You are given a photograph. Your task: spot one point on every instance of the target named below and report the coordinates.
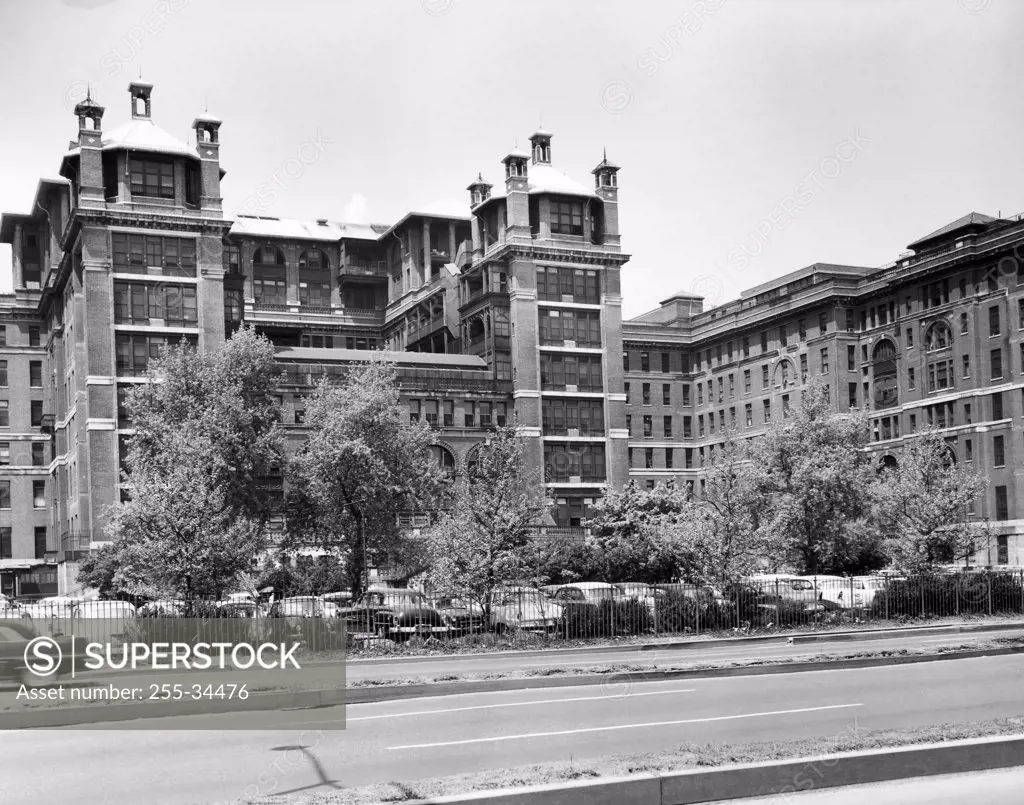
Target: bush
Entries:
(935, 596)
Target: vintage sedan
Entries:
(462, 615)
(395, 613)
(523, 608)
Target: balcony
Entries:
(73, 547)
(555, 532)
(271, 307)
(360, 267)
(47, 422)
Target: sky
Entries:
(755, 136)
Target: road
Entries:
(505, 662)
(1002, 787)
(412, 739)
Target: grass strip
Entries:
(686, 756)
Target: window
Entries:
(940, 375)
(967, 413)
(559, 326)
(648, 427)
(824, 361)
(782, 335)
(138, 303)
(746, 339)
(764, 376)
(668, 459)
(3, 374)
(1002, 507)
(569, 285)
(415, 407)
(997, 406)
(625, 361)
(767, 404)
(823, 323)
(39, 494)
(996, 363)
(5, 414)
(998, 452)
(785, 406)
(700, 425)
(852, 392)
(803, 368)
(135, 351)
(560, 371)
(3, 335)
(6, 549)
(646, 393)
(963, 324)
(851, 357)
(1002, 550)
(1020, 313)
(562, 464)
(40, 541)
(968, 450)
(38, 454)
(566, 218)
(764, 342)
(36, 415)
(700, 394)
(967, 365)
(629, 424)
(667, 425)
(748, 411)
(801, 329)
(153, 254)
(151, 178)
(732, 385)
(649, 461)
(5, 453)
(665, 362)
(33, 336)
(558, 417)
(911, 381)
(626, 389)
(686, 395)
(5, 494)
(993, 320)
(645, 361)
(938, 337)
(666, 394)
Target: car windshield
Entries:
(598, 594)
(515, 597)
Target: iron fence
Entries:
(553, 614)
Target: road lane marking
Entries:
(517, 704)
(625, 727)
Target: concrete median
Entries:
(766, 779)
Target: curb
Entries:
(966, 628)
(101, 714)
(766, 779)
(369, 695)
(824, 637)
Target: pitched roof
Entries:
(142, 134)
(972, 219)
(294, 229)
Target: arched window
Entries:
(444, 459)
(784, 374)
(314, 259)
(473, 459)
(885, 374)
(269, 281)
(268, 256)
(888, 463)
(939, 336)
(314, 279)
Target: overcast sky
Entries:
(755, 136)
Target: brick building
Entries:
(507, 305)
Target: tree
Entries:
(812, 481)
(922, 502)
(97, 570)
(485, 539)
(716, 533)
(206, 434)
(362, 464)
(626, 534)
(309, 575)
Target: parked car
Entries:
(395, 613)
(240, 609)
(585, 592)
(644, 593)
(788, 587)
(463, 616)
(14, 638)
(162, 609)
(849, 592)
(51, 607)
(300, 606)
(111, 610)
(515, 607)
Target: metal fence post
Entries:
(887, 598)
(988, 578)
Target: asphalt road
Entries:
(171, 762)
(505, 662)
(1001, 787)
